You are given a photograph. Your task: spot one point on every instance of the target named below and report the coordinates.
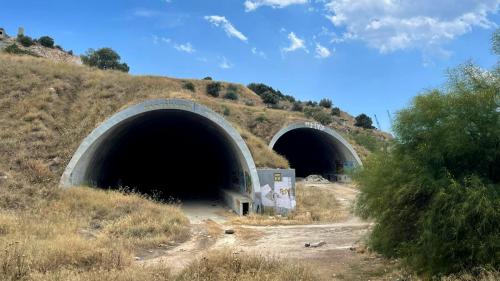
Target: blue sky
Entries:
(368, 56)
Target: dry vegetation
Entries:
(84, 229)
(46, 110)
(314, 205)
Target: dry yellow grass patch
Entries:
(84, 229)
(224, 265)
(314, 205)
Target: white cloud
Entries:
(322, 52)
(391, 25)
(225, 64)
(295, 44)
(251, 5)
(188, 48)
(230, 30)
(258, 53)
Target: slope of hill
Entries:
(47, 109)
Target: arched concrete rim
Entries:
(163, 104)
(319, 127)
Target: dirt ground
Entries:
(343, 257)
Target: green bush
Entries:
(368, 141)
(326, 103)
(213, 89)
(435, 194)
(26, 41)
(322, 117)
(231, 96)
(104, 58)
(208, 78)
(14, 49)
(46, 41)
(363, 121)
(270, 98)
(335, 111)
(189, 86)
(226, 111)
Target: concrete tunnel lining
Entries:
(83, 168)
(312, 148)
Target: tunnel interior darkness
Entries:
(171, 153)
(311, 152)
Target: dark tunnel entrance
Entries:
(314, 152)
(169, 153)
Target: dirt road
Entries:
(343, 257)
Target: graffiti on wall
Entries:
(280, 195)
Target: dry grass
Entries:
(314, 205)
(243, 267)
(83, 229)
(219, 265)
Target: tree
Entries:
(104, 58)
(208, 78)
(435, 194)
(46, 41)
(363, 121)
(270, 98)
(326, 103)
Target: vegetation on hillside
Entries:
(435, 194)
(104, 58)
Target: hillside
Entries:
(47, 109)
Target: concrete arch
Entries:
(325, 136)
(80, 165)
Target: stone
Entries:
(229, 231)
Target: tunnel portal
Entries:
(313, 149)
(169, 148)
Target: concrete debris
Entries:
(315, 179)
(229, 231)
(315, 245)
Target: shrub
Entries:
(104, 58)
(322, 117)
(14, 49)
(261, 118)
(297, 106)
(70, 52)
(208, 78)
(363, 121)
(335, 111)
(435, 194)
(326, 103)
(309, 111)
(368, 141)
(26, 41)
(231, 96)
(46, 41)
(233, 88)
(270, 98)
(214, 88)
(226, 111)
(189, 86)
